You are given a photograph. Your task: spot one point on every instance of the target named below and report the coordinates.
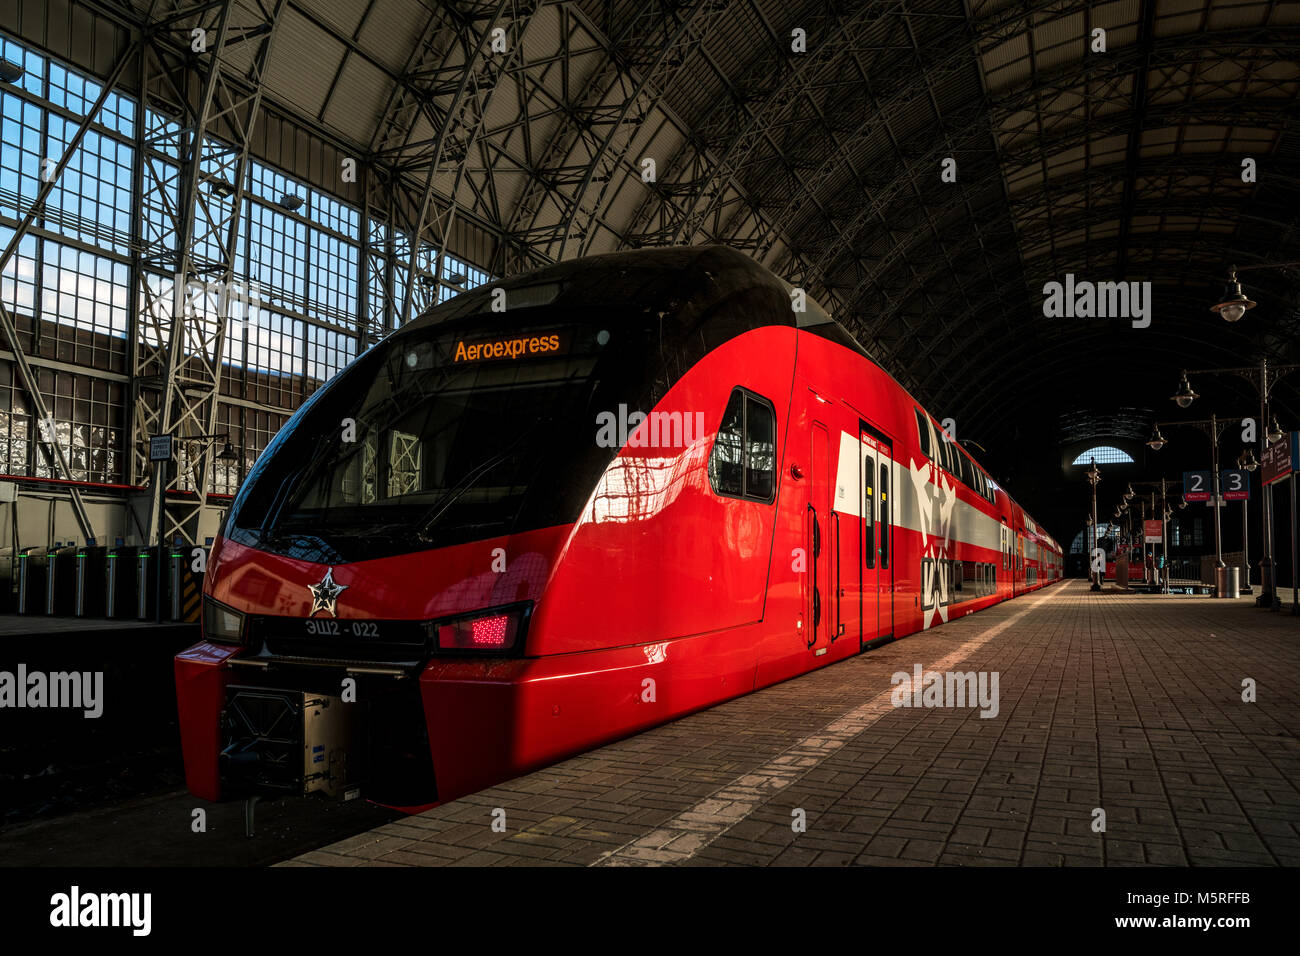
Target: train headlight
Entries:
(221, 625)
(498, 631)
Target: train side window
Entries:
(884, 515)
(726, 473)
(743, 461)
(923, 432)
(869, 509)
(760, 449)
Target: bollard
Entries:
(61, 580)
(120, 581)
(92, 580)
(31, 580)
(1227, 582)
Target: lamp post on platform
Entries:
(1214, 427)
(1165, 513)
(1246, 461)
(1263, 377)
(1094, 476)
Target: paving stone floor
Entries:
(1111, 702)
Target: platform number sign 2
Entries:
(1197, 485)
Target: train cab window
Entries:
(743, 461)
(405, 464)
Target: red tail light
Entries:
(495, 631)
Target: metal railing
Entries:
(1189, 570)
(1230, 559)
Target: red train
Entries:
(560, 510)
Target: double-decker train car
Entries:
(558, 510)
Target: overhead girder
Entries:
(1144, 50)
(867, 212)
(396, 124)
(999, 351)
(1045, 229)
(951, 319)
(980, 114)
(1038, 200)
(663, 195)
(744, 129)
(702, 172)
(686, 38)
(968, 317)
(124, 14)
(181, 351)
(832, 160)
(1086, 423)
(1246, 113)
(482, 69)
(658, 39)
(753, 126)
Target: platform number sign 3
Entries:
(1234, 484)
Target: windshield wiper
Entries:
(447, 500)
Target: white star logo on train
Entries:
(934, 493)
(921, 482)
(325, 595)
(947, 501)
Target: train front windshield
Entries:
(436, 437)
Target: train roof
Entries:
(686, 285)
(691, 281)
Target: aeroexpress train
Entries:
(563, 509)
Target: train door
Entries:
(1004, 546)
(877, 540)
(1021, 573)
(885, 540)
(870, 564)
(821, 545)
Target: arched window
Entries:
(1105, 455)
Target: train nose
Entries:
(424, 586)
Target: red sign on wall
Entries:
(1278, 459)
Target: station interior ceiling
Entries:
(922, 169)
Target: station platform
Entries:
(35, 625)
(1115, 702)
